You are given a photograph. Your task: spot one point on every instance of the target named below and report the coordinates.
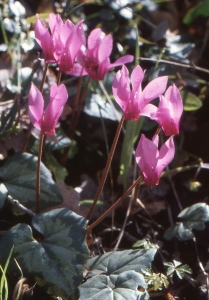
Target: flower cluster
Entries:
(66, 45)
(135, 102)
(63, 43)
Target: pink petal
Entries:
(175, 103)
(146, 158)
(98, 72)
(121, 61)
(54, 20)
(166, 154)
(36, 106)
(58, 97)
(67, 31)
(155, 88)
(169, 125)
(105, 48)
(121, 88)
(44, 39)
(78, 71)
(74, 43)
(148, 110)
(95, 37)
(137, 76)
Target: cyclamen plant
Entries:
(65, 44)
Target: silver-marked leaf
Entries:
(57, 261)
(124, 287)
(193, 217)
(18, 175)
(114, 263)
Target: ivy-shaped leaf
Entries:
(193, 217)
(117, 275)
(18, 175)
(57, 261)
(114, 263)
(103, 287)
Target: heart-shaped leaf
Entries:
(193, 217)
(114, 263)
(124, 287)
(18, 175)
(117, 275)
(57, 261)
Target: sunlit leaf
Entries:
(191, 102)
(200, 10)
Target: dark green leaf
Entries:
(114, 263)
(61, 141)
(193, 217)
(19, 177)
(105, 287)
(200, 10)
(57, 261)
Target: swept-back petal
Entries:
(175, 103)
(155, 88)
(94, 38)
(121, 61)
(58, 97)
(148, 110)
(44, 39)
(121, 88)
(137, 76)
(74, 43)
(36, 106)
(146, 158)
(166, 154)
(78, 70)
(105, 48)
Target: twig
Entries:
(38, 173)
(192, 66)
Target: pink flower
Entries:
(46, 120)
(95, 60)
(44, 39)
(135, 102)
(64, 42)
(152, 161)
(169, 111)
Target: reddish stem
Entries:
(107, 167)
(38, 173)
(114, 205)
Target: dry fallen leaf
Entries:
(71, 199)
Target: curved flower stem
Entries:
(31, 125)
(38, 173)
(104, 176)
(114, 205)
